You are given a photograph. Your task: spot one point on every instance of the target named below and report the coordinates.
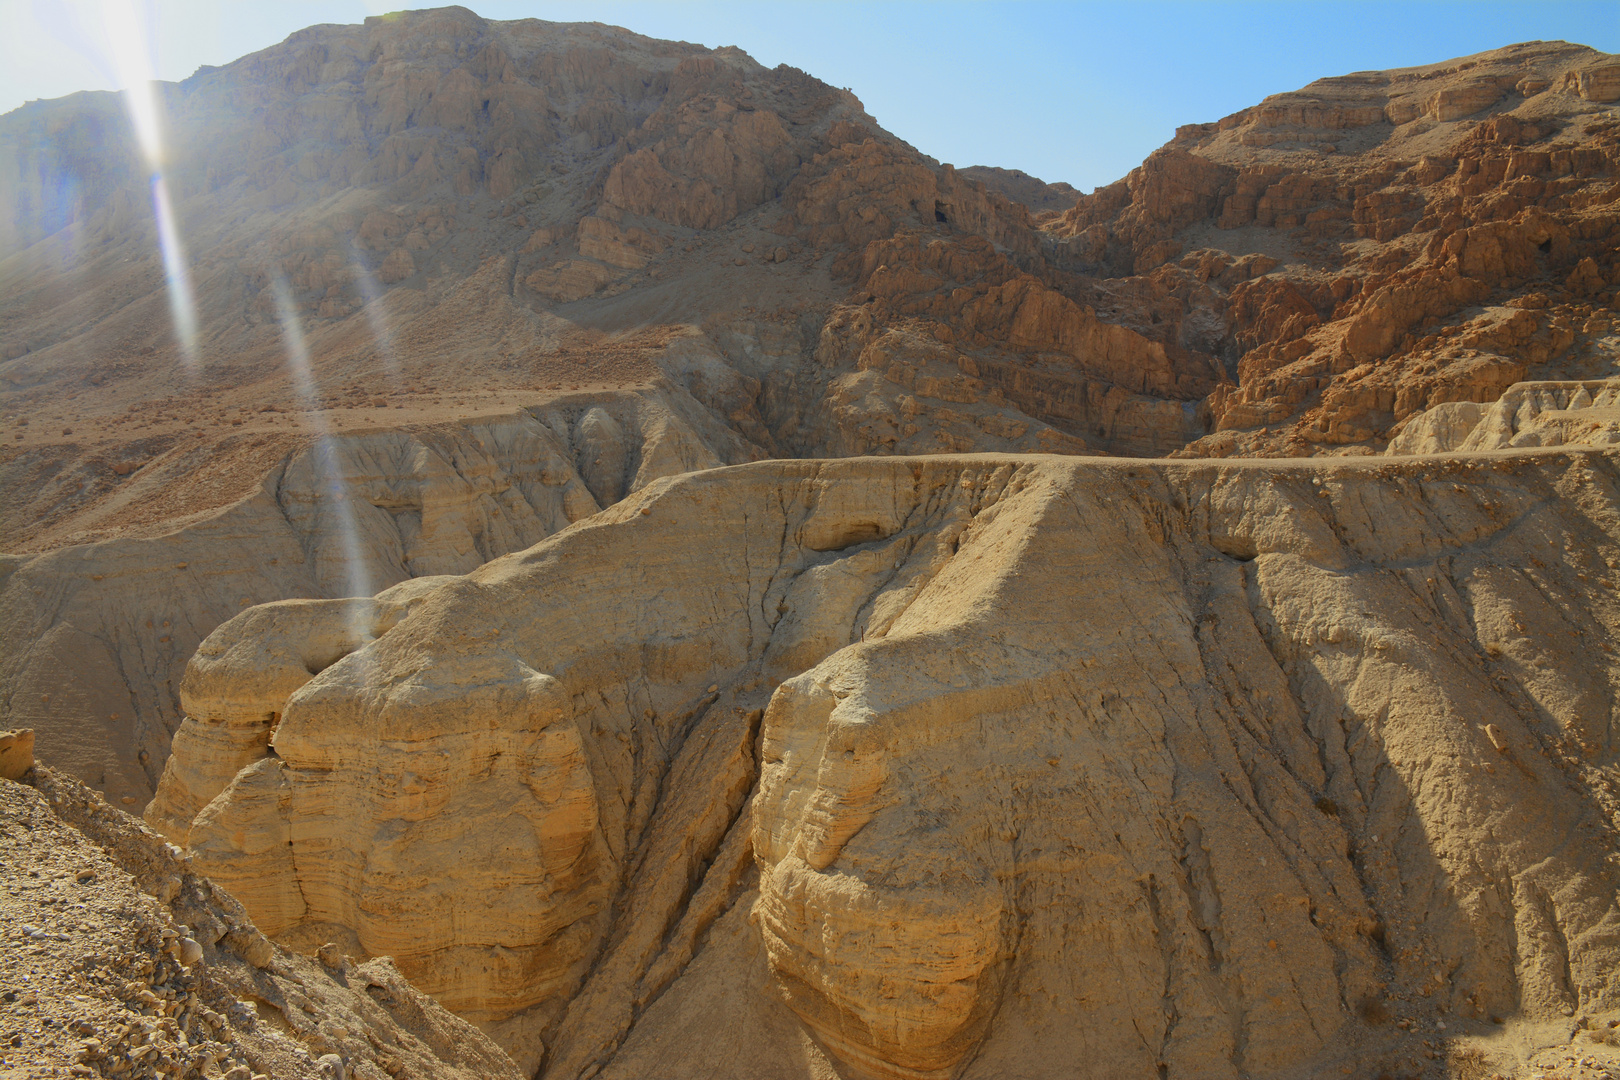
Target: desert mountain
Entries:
(459, 283)
(470, 580)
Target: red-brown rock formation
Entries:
(1430, 235)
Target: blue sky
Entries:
(1067, 91)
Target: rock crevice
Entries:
(1013, 719)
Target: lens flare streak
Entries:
(176, 273)
(334, 517)
(376, 317)
(128, 48)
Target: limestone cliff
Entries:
(975, 766)
(96, 635)
(459, 283)
(1528, 414)
(400, 237)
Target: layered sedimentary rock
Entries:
(922, 767)
(1528, 414)
(436, 218)
(97, 635)
(970, 766)
(1427, 235)
(448, 220)
(1021, 187)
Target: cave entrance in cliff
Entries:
(939, 212)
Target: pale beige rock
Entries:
(1550, 414)
(1600, 82)
(1200, 749)
(1465, 99)
(1584, 413)
(1091, 768)
(229, 718)
(1439, 429)
(1035, 352)
(94, 637)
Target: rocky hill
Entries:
(1021, 187)
(458, 283)
(120, 960)
(470, 580)
(1420, 236)
(971, 766)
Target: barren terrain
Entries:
(607, 533)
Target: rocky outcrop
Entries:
(157, 971)
(1243, 759)
(916, 767)
(98, 634)
(1439, 429)
(1045, 353)
(1430, 235)
(1297, 278)
(229, 719)
(1128, 226)
(405, 151)
(439, 218)
(16, 753)
(1017, 185)
(1527, 414)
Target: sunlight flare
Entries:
(128, 45)
(376, 317)
(334, 517)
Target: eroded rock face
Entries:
(186, 983)
(1429, 235)
(232, 707)
(599, 258)
(1528, 414)
(670, 258)
(944, 754)
(97, 636)
(1550, 414)
(1021, 187)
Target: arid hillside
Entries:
(121, 960)
(602, 534)
(455, 284)
(462, 216)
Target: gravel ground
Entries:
(117, 961)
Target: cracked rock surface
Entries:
(974, 766)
